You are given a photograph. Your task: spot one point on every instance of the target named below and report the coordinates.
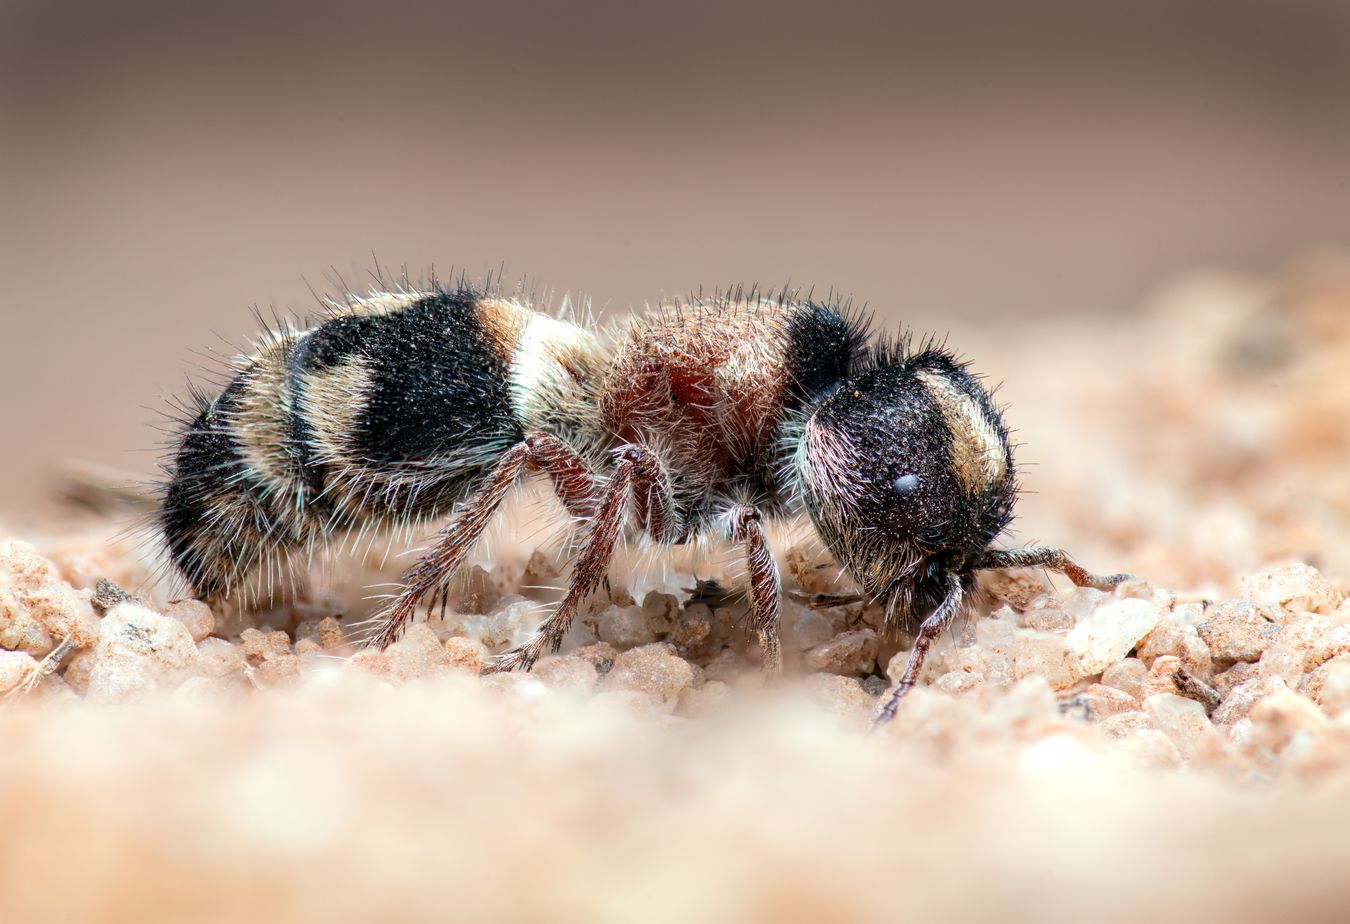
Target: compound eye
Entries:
(905, 484)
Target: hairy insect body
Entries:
(701, 417)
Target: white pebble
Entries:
(138, 652)
(1182, 720)
(1105, 635)
(15, 668)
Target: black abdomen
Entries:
(388, 411)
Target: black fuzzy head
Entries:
(908, 475)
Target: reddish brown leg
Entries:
(653, 501)
(1054, 559)
(929, 631)
(572, 482)
(765, 588)
(637, 475)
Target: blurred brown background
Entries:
(165, 166)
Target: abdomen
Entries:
(389, 411)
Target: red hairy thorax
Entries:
(712, 392)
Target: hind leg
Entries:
(637, 482)
(572, 482)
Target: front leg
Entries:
(637, 477)
(929, 631)
(1046, 557)
(765, 586)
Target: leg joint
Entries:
(742, 521)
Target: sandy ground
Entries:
(1177, 749)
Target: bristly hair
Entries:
(858, 317)
(895, 349)
(858, 323)
(385, 284)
